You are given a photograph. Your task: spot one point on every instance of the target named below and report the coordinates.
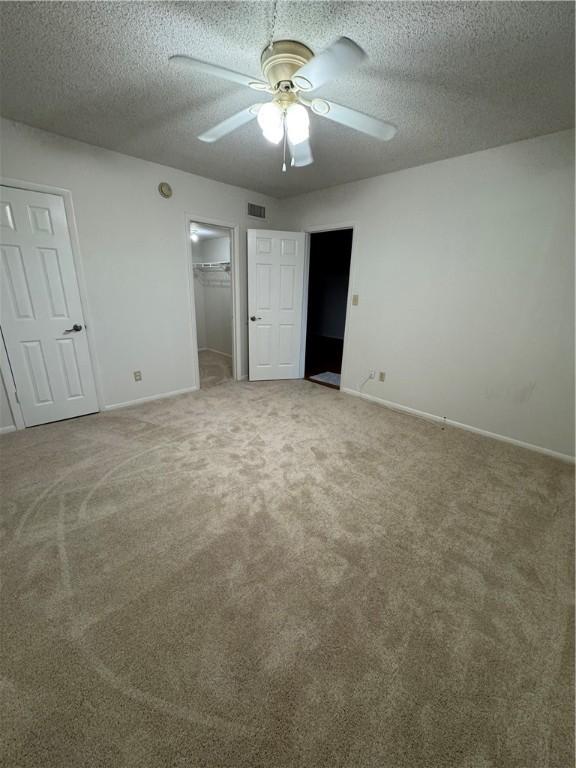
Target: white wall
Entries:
(134, 248)
(213, 293)
(218, 303)
(200, 310)
(211, 250)
(465, 272)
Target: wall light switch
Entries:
(382, 376)
(355, 300)
(137, 375)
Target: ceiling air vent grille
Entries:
(257, 211)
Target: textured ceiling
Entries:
(454, 78)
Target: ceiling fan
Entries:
(291, 71)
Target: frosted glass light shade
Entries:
(297, 123)
(271, 120)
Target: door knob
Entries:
(254, 318)
(75, 328)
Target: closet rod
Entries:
(212, 264)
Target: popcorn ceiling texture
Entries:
(278, 575)
(454, 77)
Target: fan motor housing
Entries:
(282, 60)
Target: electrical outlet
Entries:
(372, 375)
(382, 376)
(137, 375)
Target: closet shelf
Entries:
(213, 266)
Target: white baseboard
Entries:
(5, 430)
(441, 420)
(149, 398)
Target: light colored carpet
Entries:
(215, 368)
(278, 574)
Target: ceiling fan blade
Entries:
(229, 125)
(301, 153)
(357, 120)
(187, 62)
(340, 57)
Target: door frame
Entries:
(312, 230)
(5, 368)
(234, 230)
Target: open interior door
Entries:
(40, 309)
(275, 290)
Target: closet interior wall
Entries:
(213, 294)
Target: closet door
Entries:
(275, 290)
(41, 314)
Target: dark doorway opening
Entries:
(330, 254)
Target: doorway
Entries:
(211, 248)
(329, 275)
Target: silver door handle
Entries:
(75, 328)
(254, 318)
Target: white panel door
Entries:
(275, 289)
(40, 311)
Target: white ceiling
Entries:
(454, 77)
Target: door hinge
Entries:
(16, 396)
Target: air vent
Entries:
(257, 211)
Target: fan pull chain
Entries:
(273, 24)
(284, 156)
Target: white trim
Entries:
(149, 398)
(10, 386)
(305, 285)
(351, 282)
(191, 301)
(5, 430)
(234, 230)
(442, 420)
(66, 196)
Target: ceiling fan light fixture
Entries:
(290, 71)
(271, 121)
(297, 123)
